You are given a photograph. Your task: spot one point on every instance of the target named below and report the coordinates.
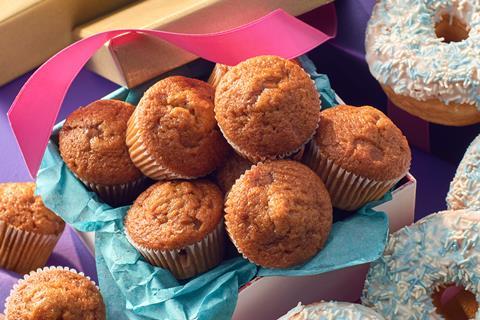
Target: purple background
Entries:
(342, 59)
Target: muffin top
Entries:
(174, 214)
(221, 69)
(267, 107)
(232, 169)
(278, 214)
(52, 294)
(364, 141)
(92, 143)
(20, 208)
(177, 126)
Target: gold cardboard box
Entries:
(138, 58)
(31, 31)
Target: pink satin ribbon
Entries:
(35, 109)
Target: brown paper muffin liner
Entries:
(120, 194)
(348, 191)
(142, 159)
(22, 251)
(191, 260)
(26, 276)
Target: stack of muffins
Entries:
(226, 156)
(28, 234)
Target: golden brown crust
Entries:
(232, 169)
(219, 70)
(92, 143)
(174, 214)
(364, 141)
(56, 294)
(278, 214)
(177, 126)
(19, 207)
(435, 111)
(267, 107)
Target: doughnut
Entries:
(421, 260)
(465, 186)
(331, 311)
(425, 55)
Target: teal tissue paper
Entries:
(134, 289)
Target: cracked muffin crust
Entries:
(267, 107)
(219, 70)
(92, 143)
(51, 294)
(173, 214)
(20, 208)
(173, 132)
(363, 141)
(278, 214)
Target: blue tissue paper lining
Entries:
(134, 289)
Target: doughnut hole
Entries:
(451, 29)
(454, 302)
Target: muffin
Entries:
(359, 153)
(55, 293)
(278, 214)
(28, 230)
(178, 225)
(92, 144)
(231, 170)
(267, 108)
(173, 133)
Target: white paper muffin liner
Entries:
(39, 270)
(256, 159)
(191, 260)
(120, 194)
(348, 191)
(22, 251)
(219, 70)
(142, 159)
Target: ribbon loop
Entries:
(35, 109)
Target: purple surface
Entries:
(341, 59)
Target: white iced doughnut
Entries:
(465, 187)
(437, 251)
(331, 311)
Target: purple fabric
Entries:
(342, 59)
